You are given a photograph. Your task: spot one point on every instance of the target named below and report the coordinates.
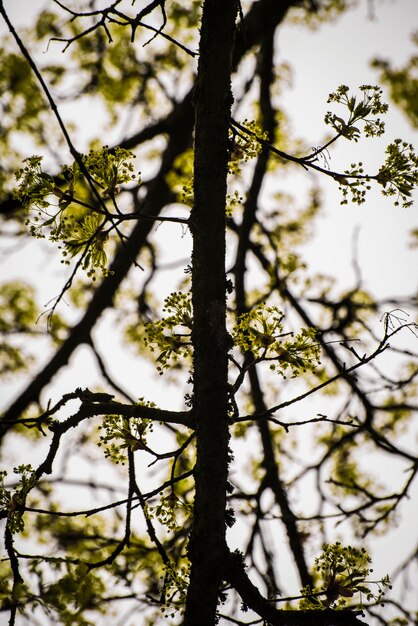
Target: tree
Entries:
(148, 528)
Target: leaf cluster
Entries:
(260, 332)
(399, 174)
(171, 335)
(120, 434)
(172, 512)
(364, 111)
(245, 145)
(57, 207)
(12, 501)
(342, 572)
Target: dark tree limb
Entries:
(213, 100)
(270, 463)
(235, 574)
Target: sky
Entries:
(343, 52)
(337, 53)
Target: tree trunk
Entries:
(210, 398)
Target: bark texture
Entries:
(213, 103)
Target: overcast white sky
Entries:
(340, 53)
(336, 53)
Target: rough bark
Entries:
(213, 103)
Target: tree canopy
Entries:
(206, 430)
